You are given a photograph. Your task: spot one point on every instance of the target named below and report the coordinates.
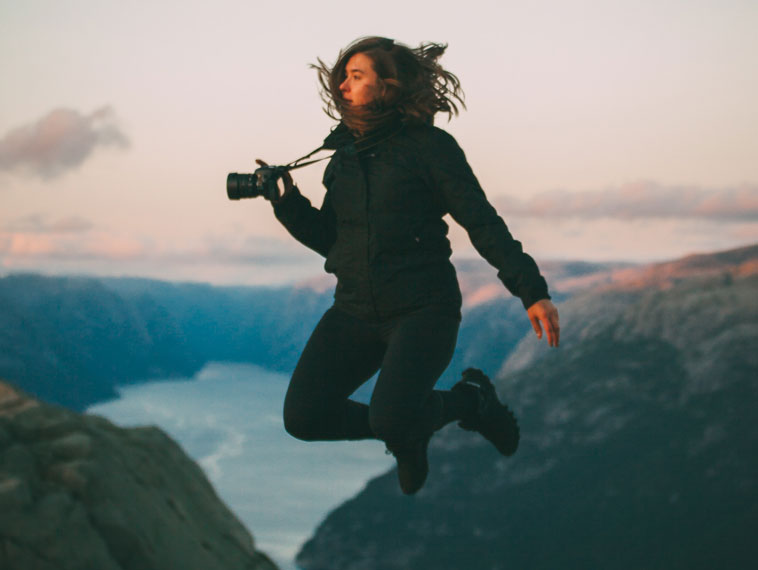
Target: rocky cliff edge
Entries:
(77, 492)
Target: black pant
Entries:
(343, 352)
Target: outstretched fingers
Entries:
(543, 314)
(536, 325)
(553, 329)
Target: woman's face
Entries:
(361, 82)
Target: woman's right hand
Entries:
(543, 313)
(286, 180)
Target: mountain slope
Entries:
(638, 444)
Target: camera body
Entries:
(262, 182)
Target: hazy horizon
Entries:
(287, 273)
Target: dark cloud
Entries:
(60, 141)
(640, 200)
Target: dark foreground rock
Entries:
(77, 492)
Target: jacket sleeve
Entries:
(310, 226)
(467, 204)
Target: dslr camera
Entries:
(262, 182)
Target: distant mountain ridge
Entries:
(72, 340)
(740, 262)
(638, 443)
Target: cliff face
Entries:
(71, 340)
(76, 492)
(638, 443)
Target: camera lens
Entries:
(240, 186)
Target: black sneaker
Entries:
(412, 464)
(491, 418)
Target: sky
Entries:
(623, 130)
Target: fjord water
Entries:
(228, 418)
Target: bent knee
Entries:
(302, 424)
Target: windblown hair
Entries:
(412, 85)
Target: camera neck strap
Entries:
(297, 164)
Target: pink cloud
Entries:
(61, 140)
(37, 239)
(99, 252)
(640, 200)
(41, 246)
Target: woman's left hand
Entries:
(544, 313)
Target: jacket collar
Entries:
(341, 137)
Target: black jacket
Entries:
(381, 230)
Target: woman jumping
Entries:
(397, 304)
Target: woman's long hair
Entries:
(412, 85)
